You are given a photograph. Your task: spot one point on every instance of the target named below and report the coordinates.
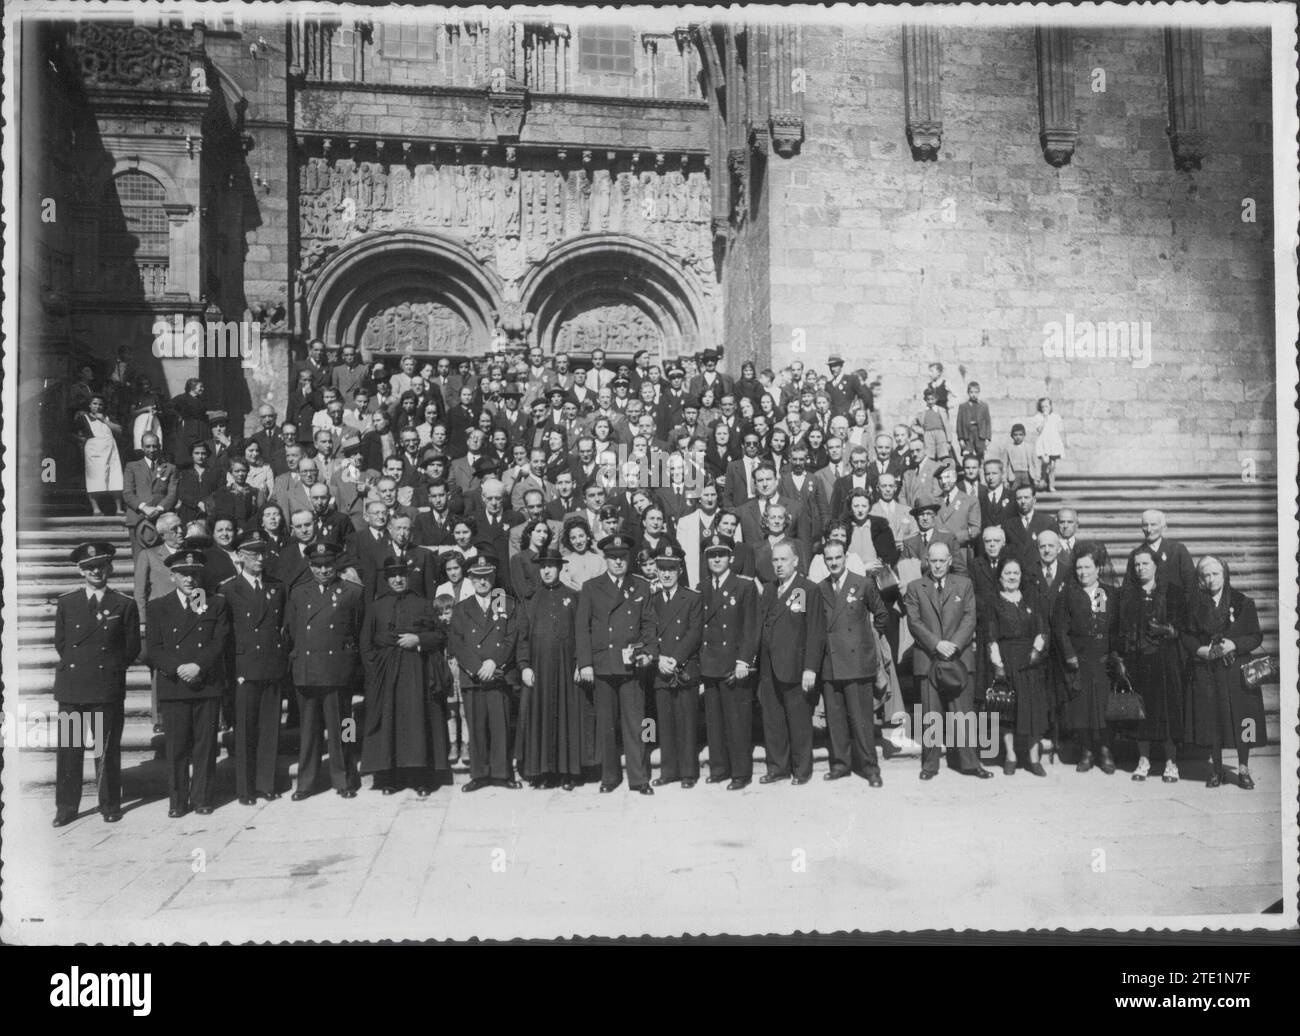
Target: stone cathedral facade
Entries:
(440, 182)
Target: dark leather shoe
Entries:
(1245, 782)
(424, 793)
(175, 814)
(659, 782)
(348, 793)
(64, 821)
(298, 796)
(1084, 764)
(737, 783)
(710, 779)
(203, 811)
(568, 785)
(796, 781)
(271, 796)
(1036, 769)
(605, 789)
(874, 781)
(248, 801)
(475, 785)
(390, 790)
(835, 775)
(112, 816)
(1106, 764)
(688, 782)
(979, 772)
(513, 785)
(1215, 779)
(642, 789)
(929, 775)
(772, 778)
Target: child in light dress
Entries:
(1050, 445)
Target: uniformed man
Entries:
(188, 635)
(794, 629)
(323, 625)
(851, 666)
(96, 635)
(679, 620)
(614, 626)
(728, 664)
(257, 602)
(484, 641)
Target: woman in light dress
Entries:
(1050, 445)
(97, 434)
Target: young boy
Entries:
(457, 723)
(1018, 458)
(974, 425)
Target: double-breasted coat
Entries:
(323, 625)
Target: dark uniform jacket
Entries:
(95, 646)
(256, 621)
(678, 628)
(794, 630)
(850, 615)
(610, 618)
(178, 635)
(324, 632)
(731, 626)
(476, 637)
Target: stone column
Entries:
(1185, 71)
(786, 82)
(922, 61)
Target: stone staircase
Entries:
(1238, 521)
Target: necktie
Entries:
(717, 583)
(257, 586)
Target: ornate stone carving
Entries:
(121, 55)
(1185, 71)
(786, 83)
(414, 325)
(922, 60)
(1058, 134)
(507, 106)
(614, 328)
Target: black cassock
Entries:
(405, 723)
(552, 711)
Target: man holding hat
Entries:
(406, 726)
(484, 641)
(258, 662)
(323, 624)
(615, 623)
(940, 608)
(150, 488)
(188, 634)
(96, 636)
(679, 620)
(728, 664)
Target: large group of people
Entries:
(548, 569)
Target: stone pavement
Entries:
(1015, 852)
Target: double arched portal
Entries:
(420, 292)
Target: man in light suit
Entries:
(924, 511)
(940, 608)
(958, 513)
(149, 488)
(534, 478)
(798, 483)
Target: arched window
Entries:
(133, 229)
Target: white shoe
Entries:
(1143, 768)
(1171, 772)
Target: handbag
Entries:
(1000, 697)
(886, 578)
(1260, 670)
(1123, 704)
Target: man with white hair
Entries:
(1173, 562)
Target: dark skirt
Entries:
(1221, 709)
(1085, 712)
(1157, 676)
(551, 714)
(1030, 718)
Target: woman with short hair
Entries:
(1018, 630)
(1082, 619)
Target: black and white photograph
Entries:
(558, 473)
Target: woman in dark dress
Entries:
(1017, 637)
(1148, 618)
(1221, 630)
(1081, 625)
(747, 385)
(535, 539)
(553, 711)
(718, 454)
(270, 520)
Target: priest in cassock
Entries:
(405, 727)
(554, 708)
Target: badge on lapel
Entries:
(798, 602)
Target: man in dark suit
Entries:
(859, 477)
(149, 488)
(924, 511)
(728, 663)
(846, 389)
(494, 523)
(753, 514)
(258, 663)
(330, 525)
(323, 625)
(269, 439)
(1173, 562)
(371, 546)
(710, 378)
(315, 365)
(798, 483)
(974, 426)
(190, 418)
(679, 620)
(940, 609)
(484, 640)
(615, 633)
(96, 636)
(418, 562)
(1051, 572)
(997, 504)
(738, 484)
(433, 526)
(793, 638)
(349, 375)
(1023, 527)
(304, 402)
(851, 666)
(188, 634)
